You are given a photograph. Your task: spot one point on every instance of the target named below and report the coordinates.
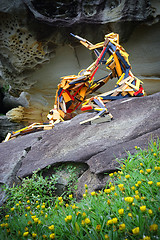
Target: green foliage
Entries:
(128, 208)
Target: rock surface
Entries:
(135, 122)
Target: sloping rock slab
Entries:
(135, 122)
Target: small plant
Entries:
(128, 208)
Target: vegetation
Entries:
(128, 208)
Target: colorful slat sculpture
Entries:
(73, 90)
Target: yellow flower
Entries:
(122, 227)
(28, 208)
(44, 236)
(106, 237)
(158, 184)
(67, 205)
(39, 221)
(43, 206)
(98, 227)
(108, 202)
(154, 154)
(146, 238)
(121, 211)
(35, 220)
(29, 223)
(38, 206)
(78, 213)
(157, 168)
(141, 171)
(51, 227)
(52, 236)
(141, 164)
(60, 198)
(84, 215)
(136, 185)
(139, 182)
(34, 235)
(74, 206)
(33, 217)
(150, 211)
(130, 214)
(83, 222)
(127, 176)
(87, 221)
(20, 202)
(115, 194)
(109, 222)
(154, 143)
(93, 193)
(137, 197)
(25, 234)
(68, 218)
(28, 201)
(107, 190)
(150, 182)
(6, 216)
(46, 216)
(148, 170)
(135, 231)
(86, 186)
(143, 198)
(6, 225)
(17, 204)
(143, 208)
(19, 232)
(26, 215)
(2, 225)
(129, 199)
(153, 227)
(36, 201)
(42, 212)
(136, 192)
(70, 196)
(121, 186)
(133, 188)
(111, 174)
(12, 209)
(135, 147)
(112, 188)
(114, 220)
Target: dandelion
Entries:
(122, 227)
(34, 235)
(51, 227)
(98, 227)
(143, 208)
(127, 176)
(52, 236)
(153, 227)
(150, 182)
(25, 234)
(158, 184)
(135, 231)
(150, 211)
(121, 211)
(121, 186)
(148, 170)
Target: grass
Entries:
(128, 208)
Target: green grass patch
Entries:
(128, 208)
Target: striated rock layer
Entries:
(36, 48)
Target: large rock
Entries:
(135, 122)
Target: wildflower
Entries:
(127, 176)
(122, 227)
(114, 220)
(12, 209)
(43, 206)
(137, 197)
(70, 196)
(20, 202)
(136, 185)
(44, 236)
(6, 216)
(36, 201)
(25, 234)
(86, 191)
(108, 202)
(29, 223)
(87, 221)
(150, 211)
(35, 220)
(34, 235)
(2, 225)
(143, 208)
(28, 208)
(78, 213)
(61, 202)
(109, 222)
(158, 184)
(74, 206)
(133, 188)
(86, 186)
(19, 233)
(115, 194)
(121, 187)
(83, 222)
(17, 204)
(154, 143)
(154, 154)
(38, 206)
(28, 201)
(130, 214)
(107, 190)
(157, 168)
(93, 193)
(136, 192)
(148, 170)
(150, 182)
(141, 164)
(153, 227)
(141, 171)
(139, 182)
(135, 231)
(121, 211)
(112, 188)
(26, 215)
(39, 221)
(84, 215)
(146, 238)
(51, 227)
(42, 212)
(111, 174)
(98, 227)
(67, 205)
(106, 237)
(129, 199)
(68, 218)
(143, 198)
(60, 198)
(136, 147)
(52, 236)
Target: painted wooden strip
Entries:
(86, 108)
(120, 79)
(118, 67)
(66, 97)
(122, 59)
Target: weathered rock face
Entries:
(36, 48)
(95, 147)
